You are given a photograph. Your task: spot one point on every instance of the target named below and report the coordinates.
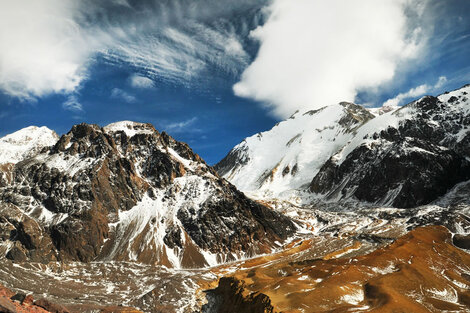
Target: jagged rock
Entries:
(230, 297)
(461, 241)
(128, 192)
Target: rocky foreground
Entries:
(420, 272)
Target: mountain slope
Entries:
(404, 158)
(127, 192)
(289, 155)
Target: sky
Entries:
(212, 72)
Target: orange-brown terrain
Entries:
(420, 272)
(11, 302)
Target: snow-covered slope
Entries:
(403, 156)
(25, 143)
(290, 154)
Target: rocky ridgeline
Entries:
(420, 154)
(127, 192)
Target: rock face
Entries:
(127, 192)
(289, 155)
(404, 158)
(229, 297)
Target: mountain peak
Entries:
(285, 157)
(25, 143)
(130, 128)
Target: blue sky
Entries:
(211, 72)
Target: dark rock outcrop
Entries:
(229, 297)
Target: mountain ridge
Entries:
(437, 124)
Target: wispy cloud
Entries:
(317, 53)
(184, 126)
(49, 45)
(72, 104)
(138, 81)
(120, 94)
(415, 92)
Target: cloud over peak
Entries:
(317, 53)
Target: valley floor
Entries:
(371, 260)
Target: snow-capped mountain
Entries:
(406, 157)
(290, 154)
(25, 143)
(401, 157)
(127, 192)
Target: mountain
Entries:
(126, 192)
(25, 143)
(401, 157)
(404, 158)
(289, 155)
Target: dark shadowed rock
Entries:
(418, 159)
(51, 307)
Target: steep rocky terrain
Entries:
(404, 158)
(289, 155)
(129, 193)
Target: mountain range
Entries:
(331, 209)
(406, 157)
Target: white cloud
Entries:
(441, 82)
(47, 46)
(120, 94)
(317, 53)
(72, 104)
(142, 82)
(416, 92)
(42, 49)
